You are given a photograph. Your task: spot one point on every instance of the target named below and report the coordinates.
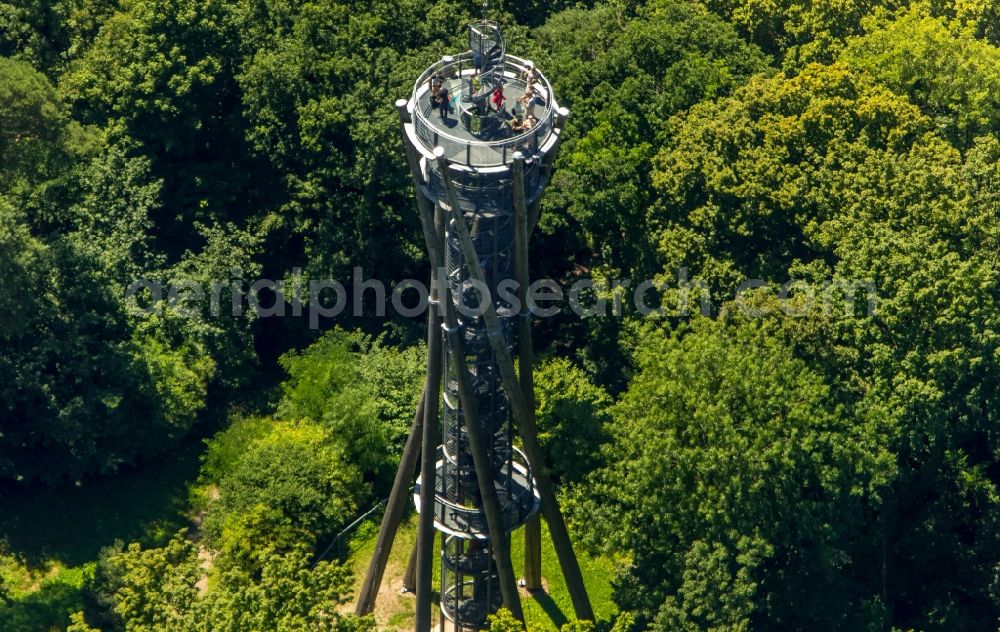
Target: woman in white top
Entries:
(530, 75)
(530, 99)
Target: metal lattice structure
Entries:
(478, 181)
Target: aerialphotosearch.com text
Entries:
(318, 299)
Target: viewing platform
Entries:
(475, 138)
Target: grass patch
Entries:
(394, 611)
(548, 610)
(544, 612)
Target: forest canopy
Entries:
(817, 449)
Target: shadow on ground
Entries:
(551, 609)
(70, 525)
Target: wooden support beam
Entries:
(393, 515)
(428, 466)
(533, 528)
(399, 495)
(526, 425)
(410, 575)
(428, 460)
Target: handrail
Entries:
(519, 460)
(453, 67)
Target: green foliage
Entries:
(291, 486)
(111, 200)
(226, 448)
(815, 468)
(151, 589)
(34, 128)
(160, 77)
(100, 385)
(571, 416)
(70, 366)
(624, 622)
(362, 391)
(734, 476)
(154, 589)
(49, 606)
(806, 32)
(214, 321)
(47, 34)
(622, 69)
(21, 256)
(274, 486)
(623, 73)
(291, 594)
(828, 175)
(504, 621)
(816, 31)
(751, 179)
(78, 623)
(952, 76)
(273, 110)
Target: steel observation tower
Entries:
(479, 174)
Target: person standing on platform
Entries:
(530, 74)
(443, 102)
(497, 99)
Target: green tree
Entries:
(291, 594)
(736, 483)
(48, 34)
(827, 176)
(33, 31)
(571, 415)
(48, 606)
(100, 386)
(21, 257)
(362, 391)
(504, 621)
(951, 75)
(746, 182)
(78, 623)
(154, 589)
(802, 33)
(290, 487)
(36, 134)
(318, 81)
(623, 69)
(151, 589)
(623, 72)
(71, 366)
(160, 76)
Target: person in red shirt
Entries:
(497, 99)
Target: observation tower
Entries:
(480, 164)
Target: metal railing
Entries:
(345, 533)
(466, 607)
(515, 506)
(484, 191)
(478, 152)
